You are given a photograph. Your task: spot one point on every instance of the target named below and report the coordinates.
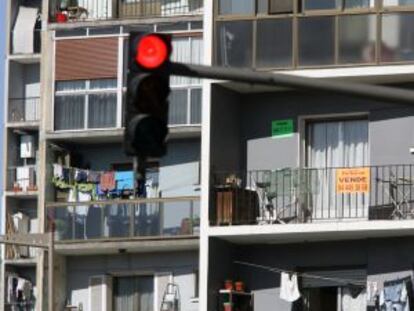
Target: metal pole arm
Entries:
(373, 92)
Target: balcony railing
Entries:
(145, 218)
(84, 10)
(308, 195)
(21, 179)
(24, 109)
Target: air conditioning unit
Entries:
(100, 293)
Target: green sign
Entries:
(282, 128)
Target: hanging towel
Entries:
(289, 289)
(124, 180)
(23, 31)
(108, 181)
(354, 299)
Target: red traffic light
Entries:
(152, 51)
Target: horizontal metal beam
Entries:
(373, 92)
(39, 240)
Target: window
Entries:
(236, 7)
(134, 293)
(316, 41)
(234, 44)
(274, 43)
(185, 97)
(85, 104)
(397, 40)
(398, 2)
(321, 4)
(357, 34)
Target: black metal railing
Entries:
(168, 217)
(306, 195)
(24, 109)
(84, 10)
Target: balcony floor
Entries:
(293, 233)
(130, 245)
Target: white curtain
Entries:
(334, 145)
(186, 50)
(134, 293)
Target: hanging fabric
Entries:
(289, 289)
(394, 296)
(354, 298)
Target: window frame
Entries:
(86, 92)
(377, 10)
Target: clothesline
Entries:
(306, 275)
(82, 169)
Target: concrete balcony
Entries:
(296, 205)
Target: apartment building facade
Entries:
(314, 187)
(117, 246)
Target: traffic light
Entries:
(148, 87)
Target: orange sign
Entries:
(352, 180)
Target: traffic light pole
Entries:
(373, 92)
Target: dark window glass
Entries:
(102, 111)
(274, 43)
(173, 26)
(322, 4)
(397, 37)
(280, 6)
(236, 7)
(69, 112)
(352, 4)
(316, 41)
(357, 35)
(234, 44)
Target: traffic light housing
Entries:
(148, 87)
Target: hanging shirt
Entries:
(289, 289)
(394, 297)
(108, 181)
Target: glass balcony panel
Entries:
(397, 43)
(274, 43)
(357, 35)
(234, 44)
(316, 41)
(236, 7)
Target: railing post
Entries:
(192, 216)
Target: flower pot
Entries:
(227, 306)
(228, 284)
(239, 286)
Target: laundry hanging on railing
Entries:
(96, 183)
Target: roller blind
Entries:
(339, 277)
(86, 59)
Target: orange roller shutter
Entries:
(84, 59)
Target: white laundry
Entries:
(82, 210)
(25, 287)
(372, 290)
(57, 171)
(289, 289)
(351, 302)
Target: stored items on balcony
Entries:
(234, 297)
